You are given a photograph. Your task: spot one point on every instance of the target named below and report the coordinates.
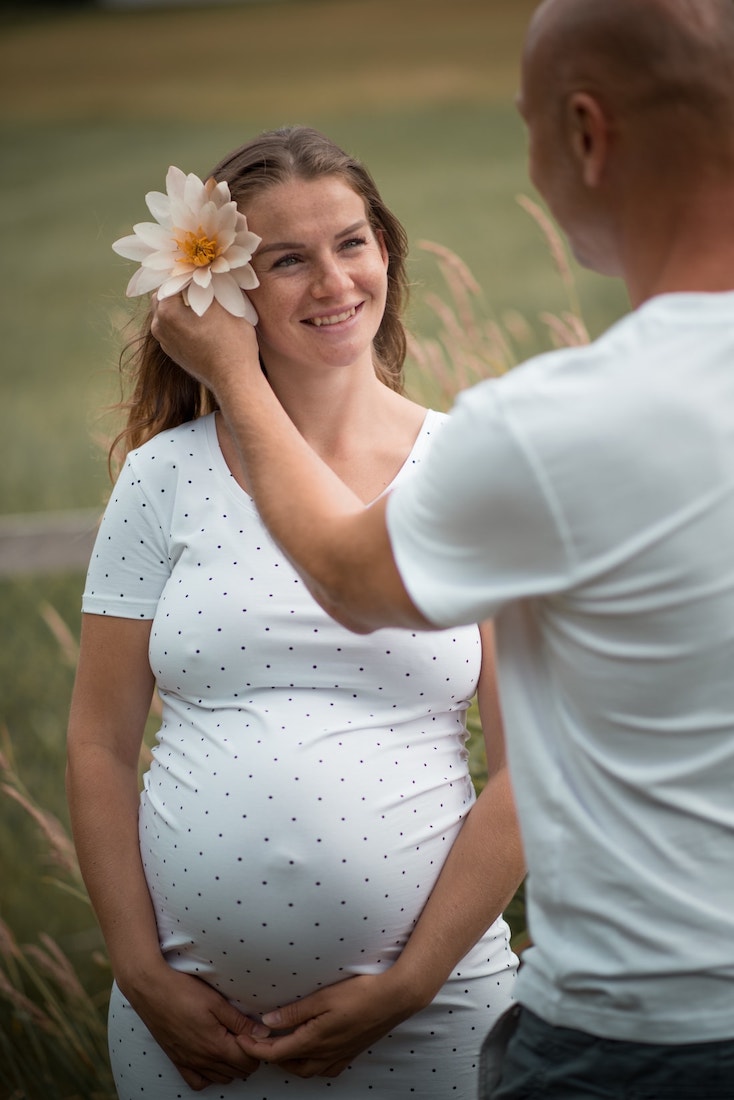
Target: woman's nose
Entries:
(330, 278)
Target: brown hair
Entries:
(163, 395)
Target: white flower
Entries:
(199, 245)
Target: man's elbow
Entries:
(362, 611)
(344, 609)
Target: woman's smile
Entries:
(335, 318)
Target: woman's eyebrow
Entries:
(285, 246)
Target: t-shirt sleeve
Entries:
(477, 526)
(130, 561)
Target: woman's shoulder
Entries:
(186, 439)
(173, 458)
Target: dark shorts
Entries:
(524, 1058)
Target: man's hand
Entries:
(332, 1026)
(197, 1028)
(215, 348)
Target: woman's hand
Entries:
(334, 1025)
(195, 1026)
(215, 349)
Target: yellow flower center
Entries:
(197, 249)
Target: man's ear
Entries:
(587, 129)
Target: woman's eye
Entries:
(286, 261)
(354, 242)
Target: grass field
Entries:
(96, 104)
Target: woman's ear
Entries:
(587, 130)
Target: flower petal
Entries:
(174, 285)
(250, 312)
(194, 192)
(159, 206)
(143, 281)
(155, 236)
(175, 183)
(218, 224)
(245, 277)
(221, 194)
(229, 216)
(229, 295)
(236, 256)
(200, 298)
(217, 193)
(248, 241)
(183, 217)
(202, 276)
(209, 220)
(132, 248)
(161, 261)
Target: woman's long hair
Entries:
(162, 395)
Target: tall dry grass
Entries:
(53, 1043)
(470, 344)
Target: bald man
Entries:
(586, 502)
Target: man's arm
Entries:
(341, 549)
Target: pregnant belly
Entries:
(274, 875)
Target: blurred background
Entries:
(98, 99)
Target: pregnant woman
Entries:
(297, 824)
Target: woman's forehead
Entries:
(319, 201)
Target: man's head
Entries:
(627, 102)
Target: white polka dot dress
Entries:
(306, 785)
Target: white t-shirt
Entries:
(587, 501)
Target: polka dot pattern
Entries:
(306, 785)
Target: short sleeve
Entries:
(477, 526)
(130, 561)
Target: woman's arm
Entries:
(192, 1023)
(480, 876)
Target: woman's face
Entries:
(322, 272)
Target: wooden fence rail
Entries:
(46, 542)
